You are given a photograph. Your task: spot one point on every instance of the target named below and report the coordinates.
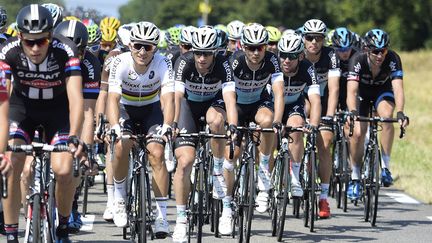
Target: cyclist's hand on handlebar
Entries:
(309, 128)
(167, 131)
(175, 130)
(232, 132)
(352, 116)
(402, 118)
(5, 164)
(75, 146)
(116, 132)
(277, 126)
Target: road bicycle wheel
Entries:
(305, 171)
(200, 217)
(142, 210)
(376, 186)
(367, 182)
(250, 193)
(275, 193)
(312, 192)
(85, 195)
(193, 205)
(52, 210)
(337, 173)
(345, 177)
(35, 223)
(283, 198)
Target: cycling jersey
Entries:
(107, 66)
(343, 81)
(172, 53)
(304, 79)
(327, 66)
(43, 81)
(251, 85)
(200, 88)
(359, 69)
(3, 89)
(140, 89)
(91, 74)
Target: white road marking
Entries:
(87, 222)
(403, 198)
(429, 217)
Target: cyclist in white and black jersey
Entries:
(47, 80)
(234, 29)
(326, 64)
(186, 40)
(204, 87)
(254, 68)
(141, 89)
(299, 78)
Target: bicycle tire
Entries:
(85, 195)
(142, 212)
(367, 185)
(192, 207)
(306, 188)
(275, 181)
(52, 210)
(375, 187)
(337, 174)
(345, 174)
(313, 197)
(217, 209)
(36, 218)
(200, 217)
(250, 195)
(285, 180)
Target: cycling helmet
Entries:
(145, 32)
(71, 17)
(88, 22)
(288, 32)
(274, 33)
(222, 38)
(291, 44)
(34, 19)
(74, 30)
(186, 34)
(12, 29)
(235, 29)
(314, 26)
(162, 41)
(123, 34)
(342, 38)
(357, 41)
(172, 36)
(94, 33)
(3, 18)
(111, 22)
(254, 34)
(376, 39)
(108, 34)
(56, 12)
(328, 38)
(221, 27)
(205, 39)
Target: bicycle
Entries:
(371, 167)
(41, 210)
(281, 182)
(244, 185)
(310, 182)
(199, 204)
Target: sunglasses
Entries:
(317, 38)
(272, 43)
(186, 46)
(139, 46)
(203, 53)
(290, 56)
(104, 44)
(93, 48)
(259, 48)
(343, 49)
(383, 51)
(39, 42)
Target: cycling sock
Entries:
(228, 165)
(120, 189)
(11, 232)
(161, 207)
(181, 214)
(110, 192)
(385, 161)
(217, 165)
(324, 190)
(355, 173)
(226, 208)
(264, 161)
(63, 219)
(295, 171)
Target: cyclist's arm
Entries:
(315, 104)
(76, 104)
(167, 100)
(103, 89)
(113, 106)
(231, 107)
(352, 93)
(333, 87)
(399, 95)
(88, 128)
(279, 104)
(4, 124)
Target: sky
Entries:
(106, 7)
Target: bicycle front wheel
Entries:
(36, 219)
(375, 187)
(283, 199)
(142, 211)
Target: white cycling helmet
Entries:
(234, 29)
(186, 34)
(145, 32)
(314, 26)
(205, 39)
(291, 43)
(56, 12)
(123, 34)
(254, 34)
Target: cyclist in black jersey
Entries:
(204, 87)
(185, 40)
(376, 76)
(91, 74)
(47, 80)
(327, 68)
(254, 68)
(299, 78)
(234, 29)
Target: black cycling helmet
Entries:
(3, 18)
(223, 38)
(34, 19)
(74, 30)
(342, 38)
(376, 39)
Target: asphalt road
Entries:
(400, 219)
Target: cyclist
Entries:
(274, 36)
(254, 68)
(172, 37)
(47, 81)
(110, 22)
(95, 36)
(108, 42)
(299, 76)
(376, 76)
(56, 12)
(122, 46)
(3, 19)
(186, 39)
(141, 89)
(234, 29)
(326, 65)
(91, 73)
(204, 86)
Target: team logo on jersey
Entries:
(392, 66)
(132, 75)
(151, 75)
(357, 67)
(41, 84)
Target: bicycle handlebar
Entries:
(377, 119)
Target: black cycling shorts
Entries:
(296, 108)
(374, 94)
